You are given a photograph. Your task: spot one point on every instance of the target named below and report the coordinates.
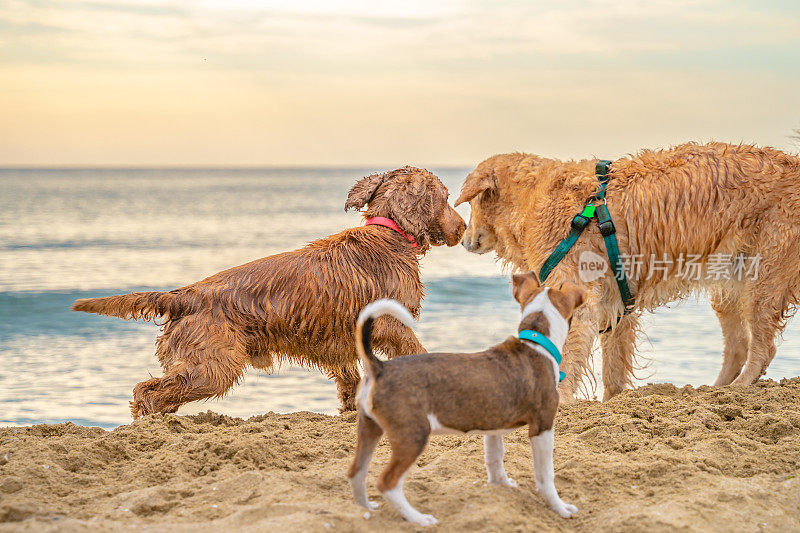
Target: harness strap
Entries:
(579, 223)
(607, 230)
(609, 233)
(601, 170)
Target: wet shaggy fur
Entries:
(298, 306)
(691, 199)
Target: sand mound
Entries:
(658, 458)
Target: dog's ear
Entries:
(575, 294)
(363, 191)
(523, 286)
(480, 180)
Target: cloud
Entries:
(259, 81)
(372, 34)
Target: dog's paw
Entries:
(565, 510)
(367, 504)
(424, 520)
(508, 482)
(505, 482)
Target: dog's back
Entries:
(465, 399)
(302, 304)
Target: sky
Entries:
(369, 83)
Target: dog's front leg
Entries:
(404, 343)
(409, 344)
(618, 356)
(544, 473)
(395, 340)
(578, 349)
(493, 453)
(346, 378)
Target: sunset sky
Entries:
(309, 83)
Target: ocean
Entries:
(77, 233)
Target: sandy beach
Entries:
(658, 458)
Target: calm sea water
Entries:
(67, 234)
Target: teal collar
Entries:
(537, 338)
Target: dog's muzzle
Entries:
(474, 243)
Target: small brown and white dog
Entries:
(491, 392)
(297, 306)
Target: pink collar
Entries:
(389, 223)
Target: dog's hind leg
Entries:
(369, 433)
(542, 447)
(493, 452)
(204, 361)
(407, 445)
(735, 333)
(765, 326)
(618, 350)
(766, 322)
(182, 383)
(774, 295)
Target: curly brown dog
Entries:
(707, 203)
(298, 306)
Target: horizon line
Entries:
(217, 167)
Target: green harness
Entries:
(607, 230)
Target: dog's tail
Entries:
(136, 305)
(364, 329)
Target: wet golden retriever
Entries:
(298, 306)
(715, 218)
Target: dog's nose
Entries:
(466, 242)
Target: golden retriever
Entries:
(711, 207)
(298, 306)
